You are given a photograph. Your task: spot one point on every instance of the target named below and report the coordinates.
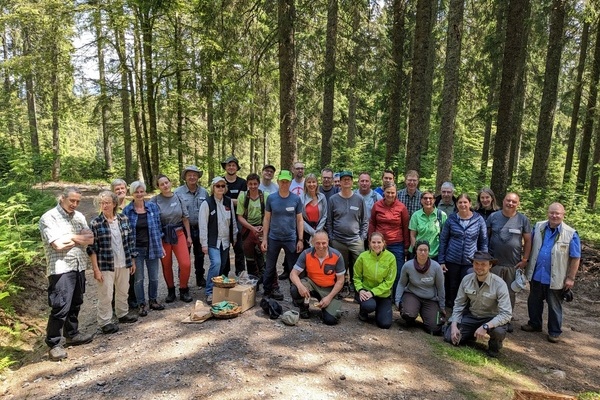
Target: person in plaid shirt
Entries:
(113, 260)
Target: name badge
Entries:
(427, 279)
(234, 191)
(289, 209)
(488, 295)
(213, 212)
(174, 204)
(515, 231)
(354, 208)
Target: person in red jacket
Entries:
(390, 217)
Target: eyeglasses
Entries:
(220, 186)
(427, 199)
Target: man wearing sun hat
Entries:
(193, 195)
(283, 228)
(482, 307)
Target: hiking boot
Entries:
(283, 276)
(276, 294)
(553, 338)
(345, 292)
(363, 316)
(201, 282)
(184, 295)
(79, 339)
(128, 319)
(529, 328)
(142, 311)
(209, 299)
(57, 353)
(509, 328)
(171, 295)
(155, 305)
(110, 328)
(494, 347)
(304, 314)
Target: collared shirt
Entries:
(428, 227)
(192, 200)
(103, 245)
(54, 224)
(412, 203)
(543, 265)
(155, 249)
(225, 218)
(488, 300)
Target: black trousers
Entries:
(198, 254)
(65, 297)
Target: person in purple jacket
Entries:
(464, 233)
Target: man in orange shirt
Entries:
(324, 269)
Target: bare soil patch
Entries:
(253, 357)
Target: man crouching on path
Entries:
(482, 307)
(324, 279)
(65, 234)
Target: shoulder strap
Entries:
(246, 203)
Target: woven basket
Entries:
(229, 313)
(218, 282)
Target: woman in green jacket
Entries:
(374, 275)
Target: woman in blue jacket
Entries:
(464, 233)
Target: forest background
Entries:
(482, 93)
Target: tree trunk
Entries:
(210, 125)
(287, 83)
(104, 100)
(146, 25)
(420, 95)
(450, 92)
(496, 50)
(31, 107)
(576, 102)
(590, 115)
(54, 82)
(513, 62)
(539, 172)
(353, 75)
(396, 94)
(329, 85)
(8, 90)
(179, 88)
(517, 132)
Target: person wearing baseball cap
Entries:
(193, 195)
(235, 185)
(283, 228)
(482, 307)
(266, 182)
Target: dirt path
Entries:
(252, 357)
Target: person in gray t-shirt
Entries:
(509, 234)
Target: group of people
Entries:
(442, 258)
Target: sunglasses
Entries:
(220, 186)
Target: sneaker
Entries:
(276, 294)
(304, 314)
(553, 338)
(57, 353)
(283, 276)
(142, 311)
(209, 299)
(155, 305)
(529, 328)
(79, 339)
(201, 282)
(363, 316)
(184, 295)
(128, 318)
(110, 328)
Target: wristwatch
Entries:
(486, 327)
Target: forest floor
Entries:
(253, 357)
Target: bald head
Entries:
(556, 214)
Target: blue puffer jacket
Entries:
(458, 244)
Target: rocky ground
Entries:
(253, 357)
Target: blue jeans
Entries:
(141, 263)
(397, 249)
(273, 249)
(218, 258)
(535, 306)
(382, 307)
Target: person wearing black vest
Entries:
(218, 230)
